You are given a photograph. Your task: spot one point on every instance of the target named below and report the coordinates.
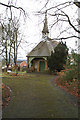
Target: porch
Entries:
(37, 64)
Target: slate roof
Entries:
(43, 49)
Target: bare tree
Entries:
(10, 33)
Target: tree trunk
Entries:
(6, 55)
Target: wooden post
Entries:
(38, 66)
(46, 65)
(27, 62)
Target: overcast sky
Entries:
(32, 28)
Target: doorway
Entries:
(42, 66)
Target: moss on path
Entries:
(34, 96)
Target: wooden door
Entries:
(42, 66)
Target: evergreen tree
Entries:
(57, 60)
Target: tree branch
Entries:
(9, 6)
(64, 38)
(65, 15)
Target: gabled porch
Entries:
(37, 64)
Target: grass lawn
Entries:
(34, 96)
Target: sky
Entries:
(32, 27)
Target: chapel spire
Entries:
(45, 30)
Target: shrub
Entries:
(70, 75)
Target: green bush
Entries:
(70, 75)
(74, 67)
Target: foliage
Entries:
(74, 67)
(57, 60)
(70, 75)
(76, 57)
